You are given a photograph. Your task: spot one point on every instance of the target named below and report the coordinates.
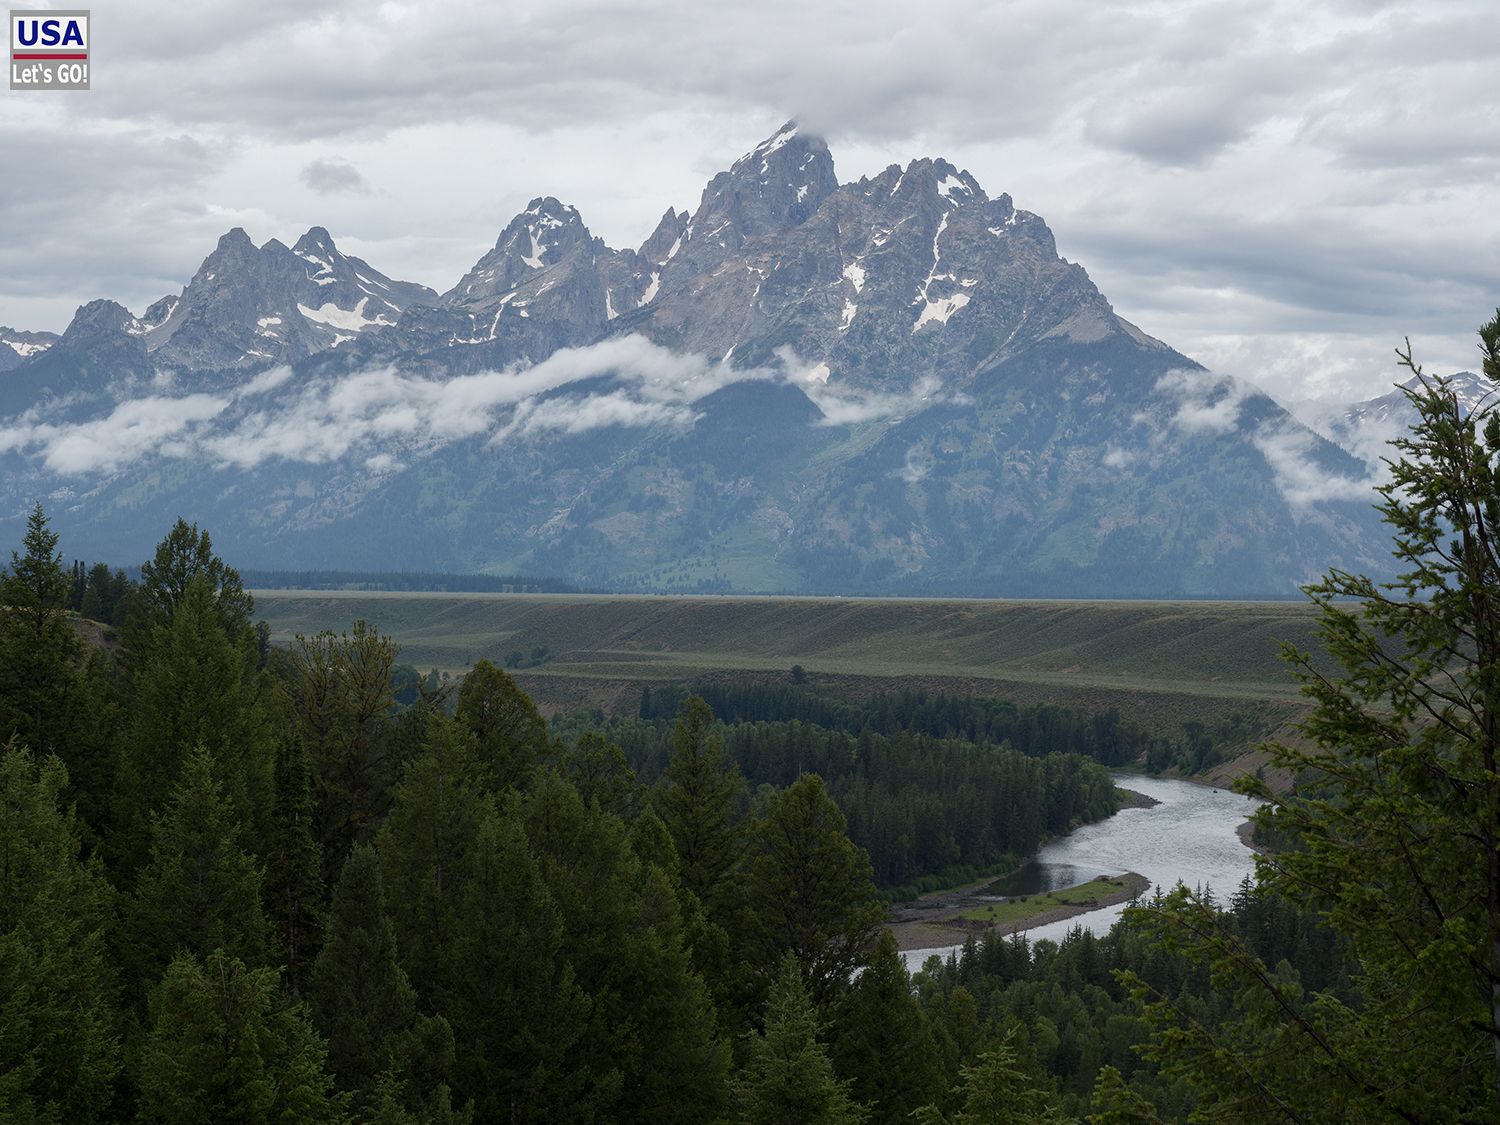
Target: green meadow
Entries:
(1151, 659)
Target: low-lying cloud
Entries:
(131, 430)
(385, 416)
(1303, 479)
(1206, 403)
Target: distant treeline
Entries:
(930, 811)
(405, 581)
(1035, 729)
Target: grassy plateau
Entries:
(1155, 661)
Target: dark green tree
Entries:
(879, 1021)
(389, 1106)
(184, 554)
(340, 689)
(59, 1043)
(1115, 1103)
(195, 684)
(598, 769)
(1395, 822)
(509, 731)
(808, 891)
(787, 1077)
(482, 939)
(293, 887)
(201, 891)
(221, 1048)
(652, 1024)
(96, 604)
(696, 798)
(39, 650)
(363, 1003)
(427, 849)
(998, 1090)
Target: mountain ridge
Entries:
(889, 385)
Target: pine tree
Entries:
(1395, 822)
(184, 554)
(808, 891)
(195, 684)
(221, 1049)
(997, 1090)
(340, 690)
(787, 1077)
(362, 1001)
(879, 1021)
(201, 890)
(427, 847)
(389, 1106)
(39, 651)
(652, 1022)
(293, 889)
(696, 799)
(96, 595)
(481, 938)
(707, 942)
(59, 1043)
(1115, 1103)
(598, 769)
(510, 732)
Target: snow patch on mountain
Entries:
(938, 311)
(350, 319)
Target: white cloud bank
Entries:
(383, 415)
(1206, 403)
(1291, 453)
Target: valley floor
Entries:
(1155, 662)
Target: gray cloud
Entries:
(330, 177)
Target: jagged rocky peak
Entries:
(247, 306)
(931, 182)
(158, 312)
(544, 235)
(317, 240)
(540, 235)
(666, 239)
(776, 186)
(234, 246)
(98, 318)
(936, 178)
(1473, 391)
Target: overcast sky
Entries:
(1280, 190)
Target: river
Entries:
(1189, 837)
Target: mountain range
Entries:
(894, 385)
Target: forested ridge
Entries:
(242, 883)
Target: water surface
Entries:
(1189, 837)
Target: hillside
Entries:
(1157, 661)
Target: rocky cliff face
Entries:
(248, 306)
(890, 385)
